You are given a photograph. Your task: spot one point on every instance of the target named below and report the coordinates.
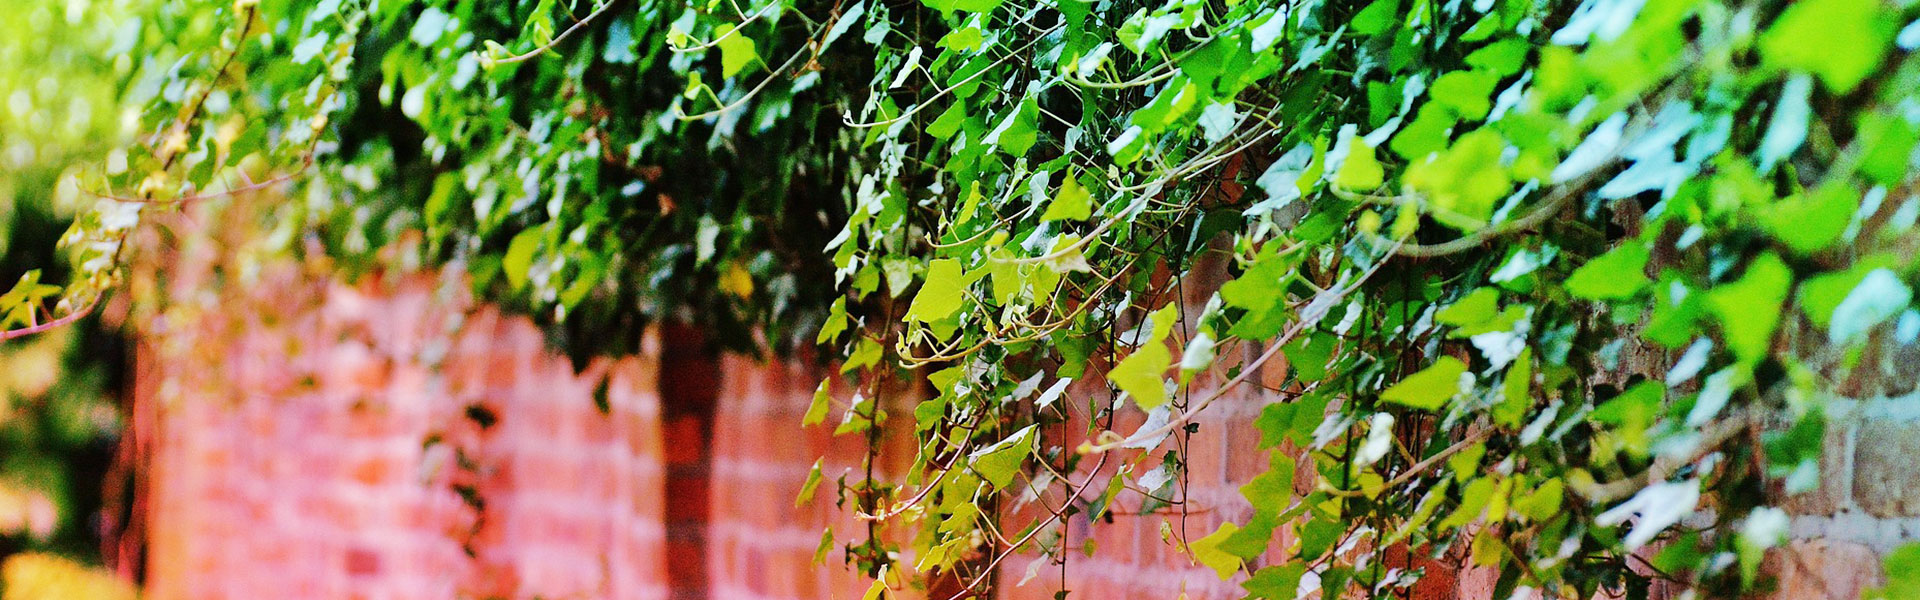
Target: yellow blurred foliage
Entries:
(36, 576)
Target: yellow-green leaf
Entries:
(1430, 388)
(1515, 391)
(826, 545)
(736, 50)
(1071, 203)
(1839, 40)
(1543, 502)
(812, 483)
(941, 295)
(997, 463)
(1141, 375)
(1207, 551)
(1361, 172)
(817, 411)
(1749, 308)
(1616, 275)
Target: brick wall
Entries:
(391, 440)
(1133, 560)
(1866, 504)
(306, 438)
(762, 544)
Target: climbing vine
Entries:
(1554, 288)
(1559, 288)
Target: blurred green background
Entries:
(60, 410)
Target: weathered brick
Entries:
(1836, 474)
(1887, 484)
(261, 500)
(284, 485)
(1824, 569)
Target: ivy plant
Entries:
(1543, 280)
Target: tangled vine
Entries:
(1555, 288)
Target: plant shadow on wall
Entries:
(1563, 290)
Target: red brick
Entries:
(1824, 569)
(576, 502)
(257, 443)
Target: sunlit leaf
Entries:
(1430, 388)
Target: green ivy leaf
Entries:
(519, 257)
(1502, 58)
(817, 411)
(1276, 582)
(826, 545)
(1819, 296)
(26, 299)
(1842, 41)
(1425, 135)
(1377, 18)
(1072, 202)
(969, 38)
(834, 324)
(1886, 141)
(1516, 391)
(997, 463)
(1543, 503)
(1474, 308)
(1271, 490)
(1015, 134)
(1468, 93)
(813, 482)
(1142, 375)
(1318, 536)
(1292, 420)
(1128, 146)
(1474, 500)
(1172, 104)
(1361, 171)
(736, 50)
(1749, 308)
(1811, 222)
(859, 417)
(1616, 275)
(1637, 406)
(1141, 33)
(1308, 356)
(1464, 182)
(1218, 62)
(941, 294)
(949, 121)
(865, 353)
(1258, 290)
(1430, 388)
(1207, 551)
(975, 6)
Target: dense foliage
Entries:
(1554, 282)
